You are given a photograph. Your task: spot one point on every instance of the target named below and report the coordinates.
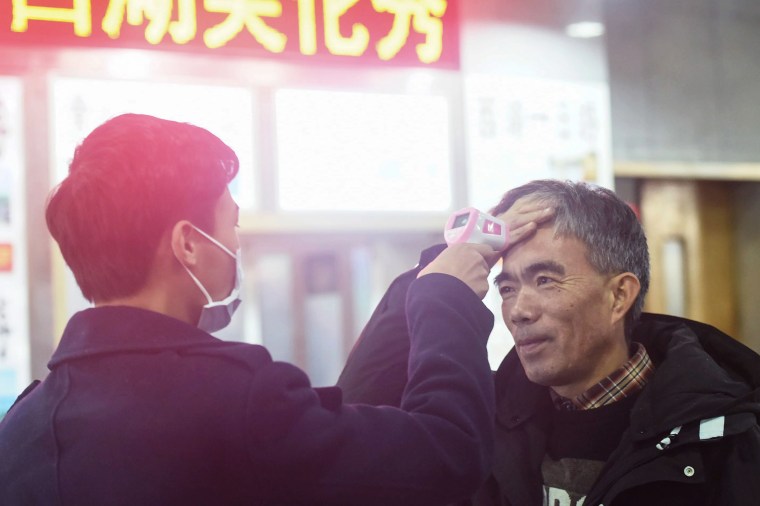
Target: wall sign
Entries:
(401, 32)
(14, 294)
(520, 129)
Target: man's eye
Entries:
(505, 290)
(543, 280)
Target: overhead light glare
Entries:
(129, 64)
(585, 30)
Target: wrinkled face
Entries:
(559, 310)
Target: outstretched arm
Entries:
(376, 370)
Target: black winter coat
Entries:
(705, 387)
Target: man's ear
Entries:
(183, 243)
(625, 288)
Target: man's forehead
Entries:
(544, 246)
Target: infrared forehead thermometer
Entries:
(473, 226)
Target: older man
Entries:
(596, 403)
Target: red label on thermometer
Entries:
(473, 226)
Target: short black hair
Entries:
(130, 181)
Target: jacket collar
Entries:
(741, 362)
(700, 373)
(113, 329)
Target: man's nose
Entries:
(523, 308)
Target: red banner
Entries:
(380, 32)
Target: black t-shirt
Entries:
(580, 443)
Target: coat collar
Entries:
(742, 363)
(700, 373)
(113, 329)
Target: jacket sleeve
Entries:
(376, 370)
(436, 449)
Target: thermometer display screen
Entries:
(461, 220)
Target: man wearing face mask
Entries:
(143, 406)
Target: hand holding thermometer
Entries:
(473, 226)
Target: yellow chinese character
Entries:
(159, 14)
(245, 13)
(80, 15)
(337, 44)
(425, 16)
(307, 27)
(183, 30)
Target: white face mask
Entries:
(217, 315)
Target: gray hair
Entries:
(607, 226)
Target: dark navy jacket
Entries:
(705, 386)
(142, 409)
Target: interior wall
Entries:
(527, 39)
(683, 79)
(747, 201)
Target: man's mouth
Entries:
(530, 344)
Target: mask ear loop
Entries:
(222, 246)
(192, 276)
(198, 283)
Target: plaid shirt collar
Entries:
(626, 381)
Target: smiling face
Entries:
(566, 318)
